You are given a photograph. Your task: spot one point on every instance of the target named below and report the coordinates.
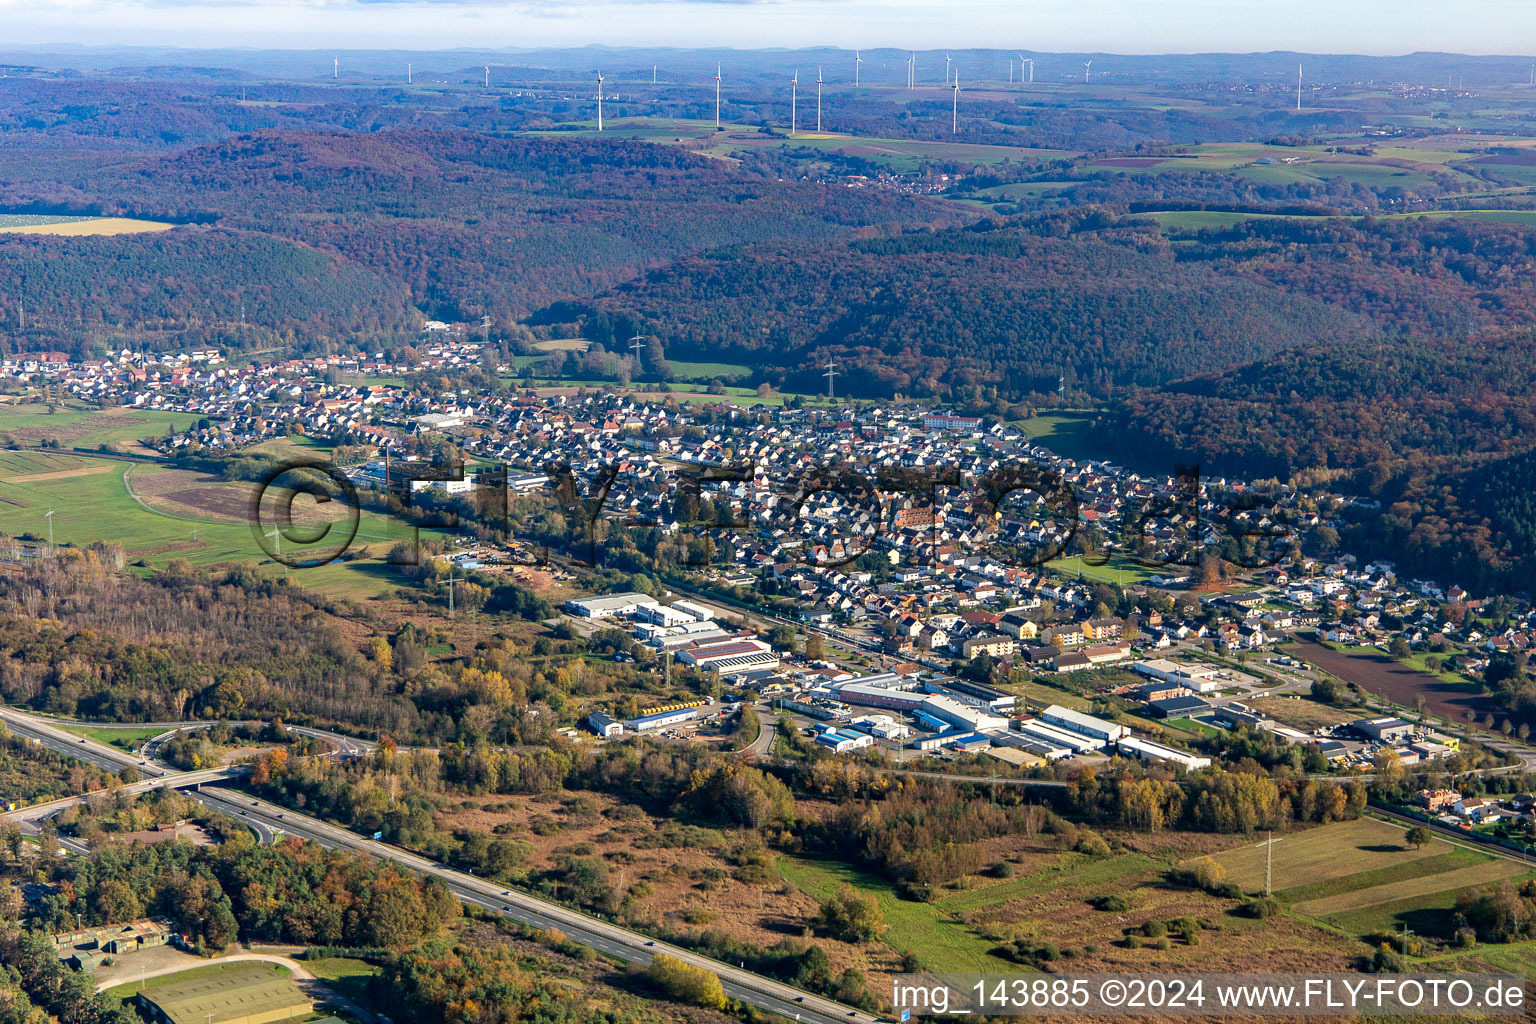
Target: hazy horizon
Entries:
(1150, 27)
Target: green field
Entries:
(348, 978)
(707, 371)
(91, 502)
(1364, 876)
(1196, 220)
(128, 738)
(89, 428)
(1119, 571)
(1526, 218)
(898, 154)
(943, 943)
(1069, 434)
(1073, 869)
(1191, 726)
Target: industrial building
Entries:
(604, 725)
(1059, 738)
(1087, 725)
(661, 615)
(1177, 707)
(881, 727)
(1199, 678)
(662, 719)
(840, 741)
(990, 695)
(1384, 730)
(969, 742)
(611, 606)
(672, 638)
(241, 993)
(961, 715)
(816, 705)
(117, 939)
(730, 655)
(698, 611)
(1150, 751)
(875, 695)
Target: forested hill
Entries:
(456, 225)
(204, 277)
(1350, 405)
(1012, 306)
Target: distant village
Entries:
(923, 579)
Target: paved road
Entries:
(617, 942)
(607, 938)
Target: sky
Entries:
(1113, 26)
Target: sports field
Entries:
(1119, 571)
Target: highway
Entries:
(264, 817)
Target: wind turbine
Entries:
(857, 60)
(408, 75)
(818, 100)
(653, 74)
(1010, 72)
(946, 69)
(794, 96)
(1298, 88)
(599, 101)
(335, 67)
(1086, 66)
(717, 97)
(487, 76)
(954, 112)
(1031, 62)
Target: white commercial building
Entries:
(965, 716)
(841, 741)
(1087, 725)
(1150, 751)
(662, 719)
(698, 611)
(613, 605)
(1199, 678)
(882, 726)
(661, 615)
(1047, 733)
